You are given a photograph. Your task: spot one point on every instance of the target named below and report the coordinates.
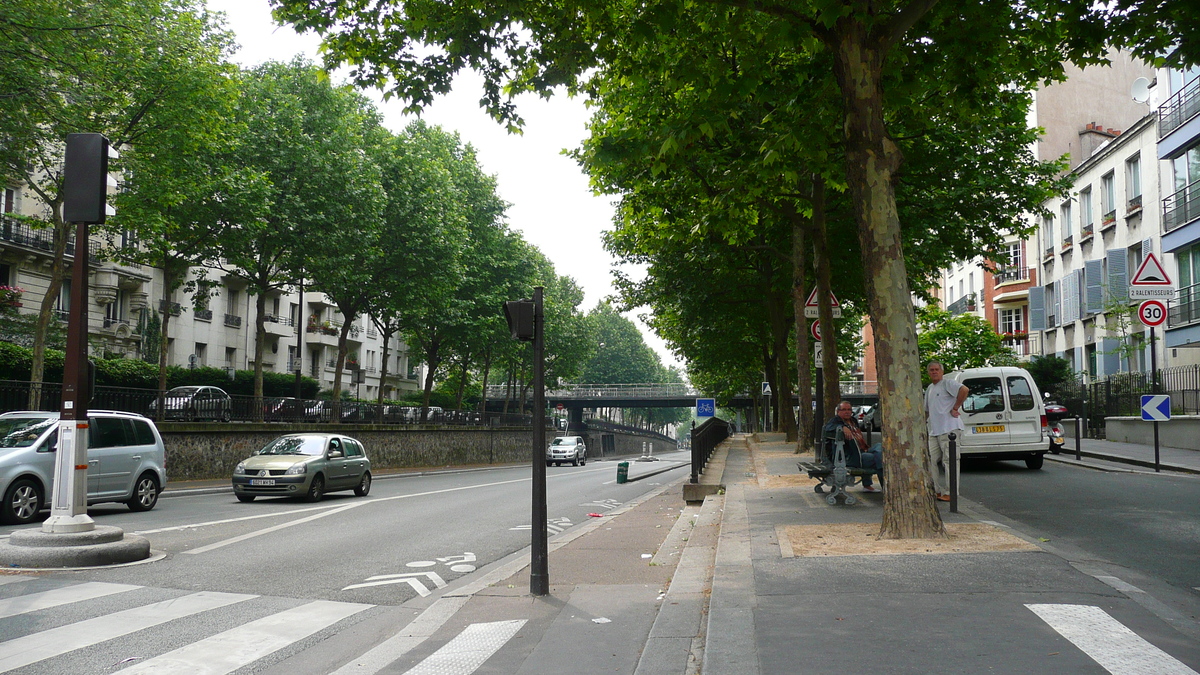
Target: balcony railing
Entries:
(173, 307)
(1179, 108)
(963, 304)
(1048, 253)
(21, 234)
(62, 315)
(1134, 204)
(1182, 207)
(1086, 232)
(1068, 243)
(1187, 310)
(203, 314)
(1108, 220)
(233, 321)
(1005, 275)
(281, 320)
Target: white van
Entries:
(1003, 416)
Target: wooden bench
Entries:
(836, 475)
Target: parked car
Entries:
(305, 466)
(1003, 415)
(195, 403)
(566, 449)
(126, 461)
(286, 409)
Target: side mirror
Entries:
(51, 443)
(335, 454)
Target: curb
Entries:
(1067, 457)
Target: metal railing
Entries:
(1108, 219)
(173, 307)
(21, 234)
(233, 321)
(705, 439)
(1179, 108)
(600, 391)
(1067, 243)
(964, 304)
(1086, 232)
(1182, 207)
(281, 320)
(1187, 309)
(1004, 275)
(203, 314)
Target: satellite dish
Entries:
(1140, 91)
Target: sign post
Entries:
(1156, 408)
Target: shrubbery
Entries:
(15, 364)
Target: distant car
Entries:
(566, 449)
(868, 418)
(195, 403)
(305, 466)
(286, 409)
(125, 461)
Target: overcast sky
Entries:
(551, 204)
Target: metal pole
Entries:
(953, 471)
(1078, 438)
(1154, 389)
(68, 507)
(539, 572)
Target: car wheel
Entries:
(246, 499)
(1035, 461)
(226, 415)
(145, 493)
(549, 463)
(22, 502)
(364, 485)
(316, 489)
(583, 461)
(190, 415)
(575, 462)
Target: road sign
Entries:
(1151, 281)
(1156, 408)
(706, 407)
(811, 308)
(559, 406)
(815, 330)
(819, 355)
(766, 389)
(1152, 313)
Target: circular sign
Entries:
(816, 330)
(1152, 313)
(560, 406)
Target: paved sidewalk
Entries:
(1170, 459)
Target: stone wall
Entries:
(1180, 432)
(211, 451)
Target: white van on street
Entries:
(1004, 416)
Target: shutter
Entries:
(1118, 275)
(1070, 299)
(1147, 247)
(1078, 298)
(1058, 294)
(1037, 308)
(1093, 291)
(1112, 360)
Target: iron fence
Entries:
(705, 439)
(1120, 395)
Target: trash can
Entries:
(622, 472)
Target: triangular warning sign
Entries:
(812, 299)
(1151, 273)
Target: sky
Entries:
(551, 203)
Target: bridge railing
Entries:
(705, 439)
(599, 391)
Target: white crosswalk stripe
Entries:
(465, 653)
(237, 647)
(1108, 642)
(60, 596)
(50, 643)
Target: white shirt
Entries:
(939, 400)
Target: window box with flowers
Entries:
(1015, 336)
(10, 297)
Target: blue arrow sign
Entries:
(706, 407)
(1156, 408)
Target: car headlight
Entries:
(296, 470)
(240, 468)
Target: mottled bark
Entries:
(804, 378)
(832, 392)
(872, 159)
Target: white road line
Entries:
(411, 579)
(238, 647)
(465, 653)
(60, 596)
(54, 642)
(13, 578)
(386, 652)
(1108, 642)
(274, 528)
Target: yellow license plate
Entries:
(989, 430)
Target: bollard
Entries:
(952, 470)
(622, 472)
(1078, 436)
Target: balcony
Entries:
(281, 326)
(1086, 232)
(173, 308)
(1133, 206)
(1007, 275)
(1048, 254)
(1182, 207)
(1108, 220)
(203, 314)
(1179, 108)
(1187, 310)
(233, 321)
(1068, 243)
(21, 234)
(963, 304)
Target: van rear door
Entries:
(1025, 417)
(985, 413)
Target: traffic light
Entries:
(86, 179)
(519, 314)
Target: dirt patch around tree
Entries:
(798, 541)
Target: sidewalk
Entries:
(1170, 459)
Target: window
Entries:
(10, 200)
(1085, 207)
(6, 276)
(1108, 197)
(1012, 320)
(1133, 182)
(106, 432)
(1067, 223)
(64, 299)
(1186, 168)
(114, 312)
(1014, 256)
(232, 299)
(1019, 393)
(1179, 78)
(1048, 233)
(230, 357)
(985, 395)
(141, 432)
(201, 352)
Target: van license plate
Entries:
(989, 430)
(262, 481)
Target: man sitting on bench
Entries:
(857, 453)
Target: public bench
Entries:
(834, 474)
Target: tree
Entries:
(1052, 374)
(962, 341)
(124, 69)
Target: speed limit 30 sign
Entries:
(1152, 313)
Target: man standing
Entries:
(943, 400)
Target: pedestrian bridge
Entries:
(659, 395)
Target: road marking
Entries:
(416, 632)
(274, 528)
(30, 649)
(410, 578)
(555, 525)
(465, 653)
(238, 647)
(1108, 642)
(13, 578)
(60, 596)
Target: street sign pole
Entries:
(539, 572)
(1154, 388)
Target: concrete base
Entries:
(104, 545)
(696, 492)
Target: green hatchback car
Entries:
(304, 466)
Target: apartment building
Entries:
(301, 332)
(1178, 151)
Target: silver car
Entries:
(125, 461)
(305, 466)
(567, 449)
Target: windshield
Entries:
(183, 391)
(22, 432)
(563, 441)
(295, 445)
